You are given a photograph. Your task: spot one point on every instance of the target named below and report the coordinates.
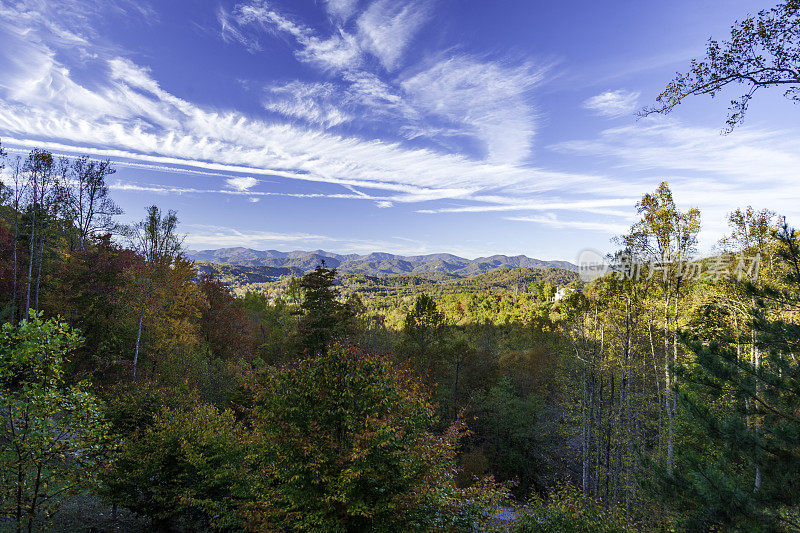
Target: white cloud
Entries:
(341, 9)
(129, 115)
(597, 205)
(483, 98)
(387, 27)
(613, 103)
(230, 32)
(714, 172)
(317, 103)
(549, 219)
(459, 103)
(242, 183)
(337, 52)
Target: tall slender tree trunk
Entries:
(658, 388)
(585, 430)
(668, 392)
(32, 509)
(138, 340)
(455, 388)
(39, 269)
(16, 260)
(31, 255)
(756, 360)
(20, 483)
(608, 437)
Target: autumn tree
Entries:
(156, 240)
(347, 447)
(13, 197)
(91, 290)
(223, 323)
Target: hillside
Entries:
(373, 264)
(272, 280)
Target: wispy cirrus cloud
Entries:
(705, 169)
(387, 27)
(613, 103)
(551, 220)
(317, 102)
(487, 99)
(454, 102)
(339, 50)
(342, 10)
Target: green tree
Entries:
(182, 465)
(511, 435)
(324, 317)
(423, 334)
(347, 447)
(53, 432)
(667, 238)
(567, 511)
(742, 472)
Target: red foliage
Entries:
(223, 323)
(88, 290)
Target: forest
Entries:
(142, 392)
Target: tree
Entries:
(53, 435)
(510, 435)
(156, 240)
(41, 171)
(423, 331)
(762, 52)
(742, 473)
(347, 447)
(86, 198)
(668, 238)
(181, 464)
(90, 291)
(566, 511)
(324, 317)
(16, 196)
(223, 324)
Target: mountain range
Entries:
(374, 264)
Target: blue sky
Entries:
(418, 126)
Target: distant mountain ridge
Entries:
(373, 264)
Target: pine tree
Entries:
(742, 468)
(324, 316)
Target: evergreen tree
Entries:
(742, 468)
(324, 316)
